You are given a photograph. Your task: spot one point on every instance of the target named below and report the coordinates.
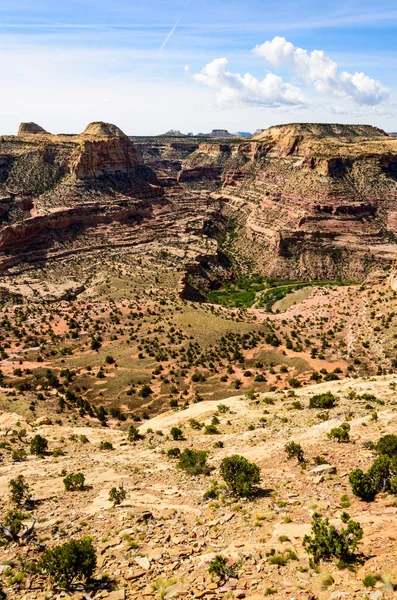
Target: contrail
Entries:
(171, 33)
(169, 36)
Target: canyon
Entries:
(298, 201)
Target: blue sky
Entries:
(153, 65)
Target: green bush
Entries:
(176, 433)
(38, 445)
(117, 495)
(74, 481)
(340, 434)
(194, 424)
(327, 542)
(387, 445)
(19, 490)
(194, 462)
(294, 450)
(211, 429)
(380, 477)
(13, 523)
(134, 435)
(173, 453)
(369, 581)
(240, 475)
(18, 455)
(218, 566)
(326, 400)
(74, 559)
(106, 446)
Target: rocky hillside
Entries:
(160, 540)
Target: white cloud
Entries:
(315, 68)
(234, 89)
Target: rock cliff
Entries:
(300, 201)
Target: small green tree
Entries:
(219, 566)
(240, 475)
(19, 490)
(294, 450)
(387, 445)
(38, 445)
(12, 525)
(19, 455)
(194, 462)
(379, 478)
(74, 482)
(74, 559)
(173, 453)
(176, 433)
(106, 446)
(134, 435)
(117, 495)
(326, 400)
(340, 434)
(327, 542)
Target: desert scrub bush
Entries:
(219, 566)
(387, 445)
(223, 409)
(19, 490)
(12, 526)
(194, 462)
(327, 542)
(74, 482)
(176, 433)
(211, 429)
(3, 595)
(74, 559)
(173, 453)
(18, 455)
(212, 493)
(240, 475)
(370, 581)
(194, 424)
(380, 477)
(58, 452)
(294, 450)
(340, 434)
(117, 495)
(106, 446)
(134, 435)
(319, 460)
(325, 400)
(38, 445)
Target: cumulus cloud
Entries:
(315, 68)
(233, 88)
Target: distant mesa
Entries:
(100, 129)
(30, 129)
(321, 130)
(173, 133)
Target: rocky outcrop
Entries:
(99, 129)
(30, 129)
(98, 158)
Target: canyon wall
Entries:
(299, 201)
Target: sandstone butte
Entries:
(306, 201)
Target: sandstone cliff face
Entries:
(97, 158)
(311, 201)
(301, 201)
(65, 195)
